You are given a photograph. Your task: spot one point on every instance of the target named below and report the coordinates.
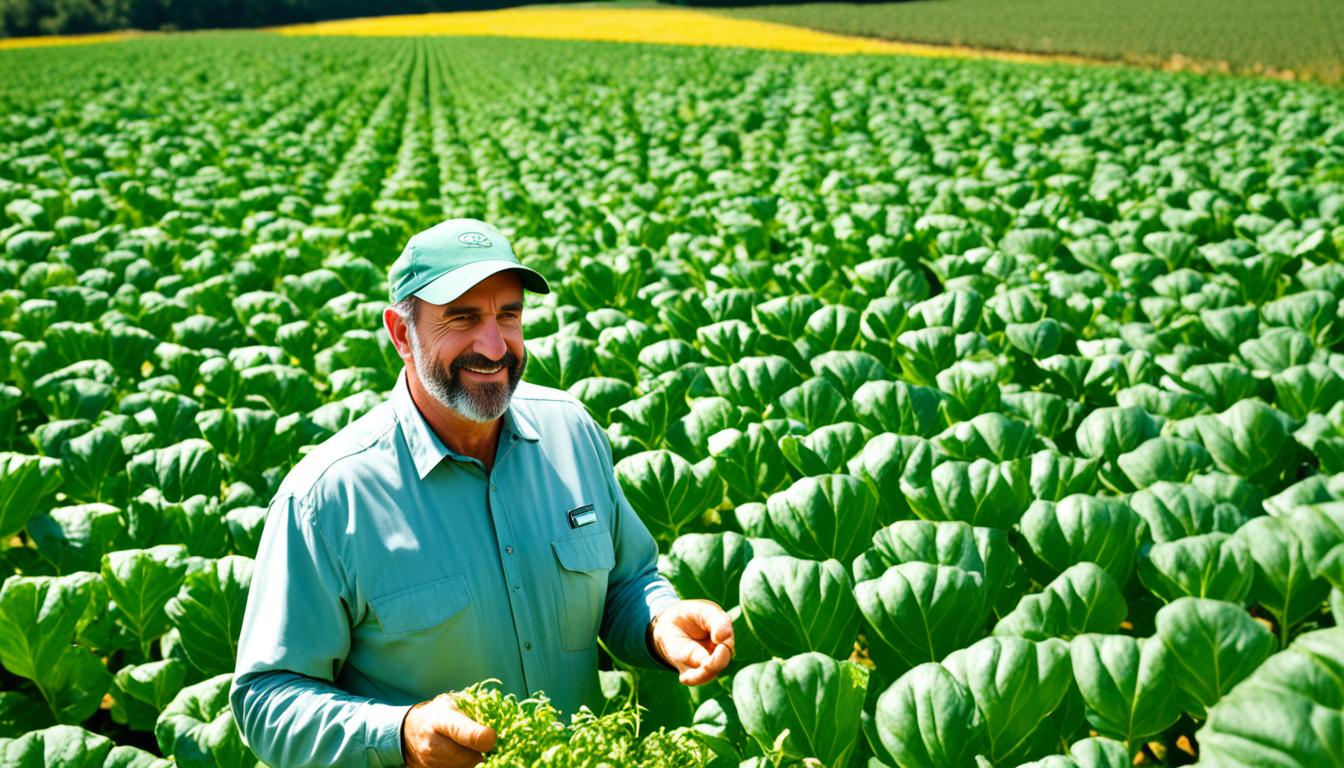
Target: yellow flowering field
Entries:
(51, 40)
(671, 26)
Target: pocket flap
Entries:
(422, 606)
(586, 553)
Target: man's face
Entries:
(469, 353)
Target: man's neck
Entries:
(456, 432)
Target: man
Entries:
(469, 528)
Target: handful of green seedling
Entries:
(531, 734)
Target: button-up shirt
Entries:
(392, 569)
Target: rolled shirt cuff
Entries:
(383, 724)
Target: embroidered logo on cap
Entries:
(474, 240)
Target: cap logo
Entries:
(474, 240)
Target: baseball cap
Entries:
(446, 260)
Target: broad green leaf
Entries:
(899, 408)
(991, 436)
(179, 471)
(882, 462)
(1284, 583)
(1080, 528)
(1037, 339)
(667, 491)
(1081, 599)
(1163, 458)
(1249, 439)
(25, 483)
(689, 435)
(1108, 432)
(983, 550)
(1305, 389)
(755, 382)
(749, 461)
(816, 699)
(40, 617)
(1174, 511)
(208, 612)
(708, 566)
(197, 728)
(559, 361)
(1126, 685)
(1212, 646)
(830, 516)
(143, 690)
(1212, 565)
(816, 403)
(927, 717)
(1054, 476)
(825, 451)
(917, 612)
(75, 538)
(1286, 713)
(980, 492)
(1016, 684)
(795, 605)
(1050, 414)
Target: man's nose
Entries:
(490, 340)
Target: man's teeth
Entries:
(484, 370)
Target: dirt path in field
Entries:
(668, 26)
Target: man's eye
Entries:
(510, 319)
(460, 321)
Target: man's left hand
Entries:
(696, 638)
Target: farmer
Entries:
(471, 527)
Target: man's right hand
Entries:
(436, 734)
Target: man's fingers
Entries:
(718, 660)
(454, 724)
(721, 629)
(693, 654)
(445, 751)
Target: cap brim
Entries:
(464, 278)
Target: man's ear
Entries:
(399, 331)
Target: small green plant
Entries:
(531, 734)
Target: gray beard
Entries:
(481, 403)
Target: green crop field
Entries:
(1002, 405)
(1305, 37)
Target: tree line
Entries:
(66, 17)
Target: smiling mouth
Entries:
(483, 371)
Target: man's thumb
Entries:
(462, 729)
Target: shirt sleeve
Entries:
(635, 591)
(295, 637)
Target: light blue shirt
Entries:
(393, 569)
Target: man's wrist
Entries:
(652, 645)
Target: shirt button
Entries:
(527, 646)
(508, 550)
(492, 487)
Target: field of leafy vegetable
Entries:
(1004, 406)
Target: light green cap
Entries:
(446, 260)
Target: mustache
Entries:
(475, 360)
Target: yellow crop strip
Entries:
(54, 40)
(668, 26)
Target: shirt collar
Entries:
(427, 450)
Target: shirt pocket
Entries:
(423, 607)
(585, 563)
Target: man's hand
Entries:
(695, 637)
(436, 734)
